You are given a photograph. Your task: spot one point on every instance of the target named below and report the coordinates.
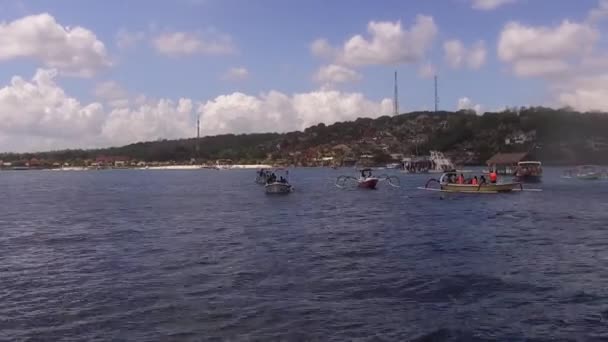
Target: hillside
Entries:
(553, 136)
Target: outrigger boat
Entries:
(366, 180)
(446, 185)
(588, 172)
(279, 185)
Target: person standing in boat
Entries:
(493, 176)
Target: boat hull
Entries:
(529, 179)
(369, 183)
(278, 188)
(485, 188)
(591, 176)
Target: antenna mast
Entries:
(436, 95)
(396, 98)
(198, 135)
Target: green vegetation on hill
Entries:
(553, 136)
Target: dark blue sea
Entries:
(148, 255)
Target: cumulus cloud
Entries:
(38, 114)
(73, 51)
(457, 55)
(335, 74)
(236, 74)
(466, 103)
(112, 93)
(567, 56)
(388, 43)
(524, 46)
(210, 42)
(276, 111)
(41, 109)
(586, 93)
(487, 5)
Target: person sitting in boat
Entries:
(482, 179)
(493, 177)
(474, 181)
(282, 180)
(460, 179)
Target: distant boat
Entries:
(223, 164)
(588, 172)
(440, 163)
(528, 171)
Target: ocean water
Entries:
(134, 255)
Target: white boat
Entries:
(223, 164)
(440, 163)
(278, 185)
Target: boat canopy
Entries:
(529, 163)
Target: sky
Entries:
(84, 74)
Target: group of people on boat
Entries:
(271, 177)
(460, 179)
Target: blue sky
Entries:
(272, 40)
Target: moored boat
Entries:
(588, 172)
(529, 171)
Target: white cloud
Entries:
(465, 103)
(427, 70)
(276, 111)
(487, 5)
(73, 51)
(210, 42)
(334, 74)
(567, 56)
(586, 93)
(457, 55)
(39, 109)
(153, 120)
(236, 74)
(126, 39)
(112, 94)
(388, 44)
(37, 114)
(524, 46)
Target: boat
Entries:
(446, 185)
(528, 171)
(440, 163)
(223, 164)
(588, 172)
(279, 185)
(417, 165)
(367, 180)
